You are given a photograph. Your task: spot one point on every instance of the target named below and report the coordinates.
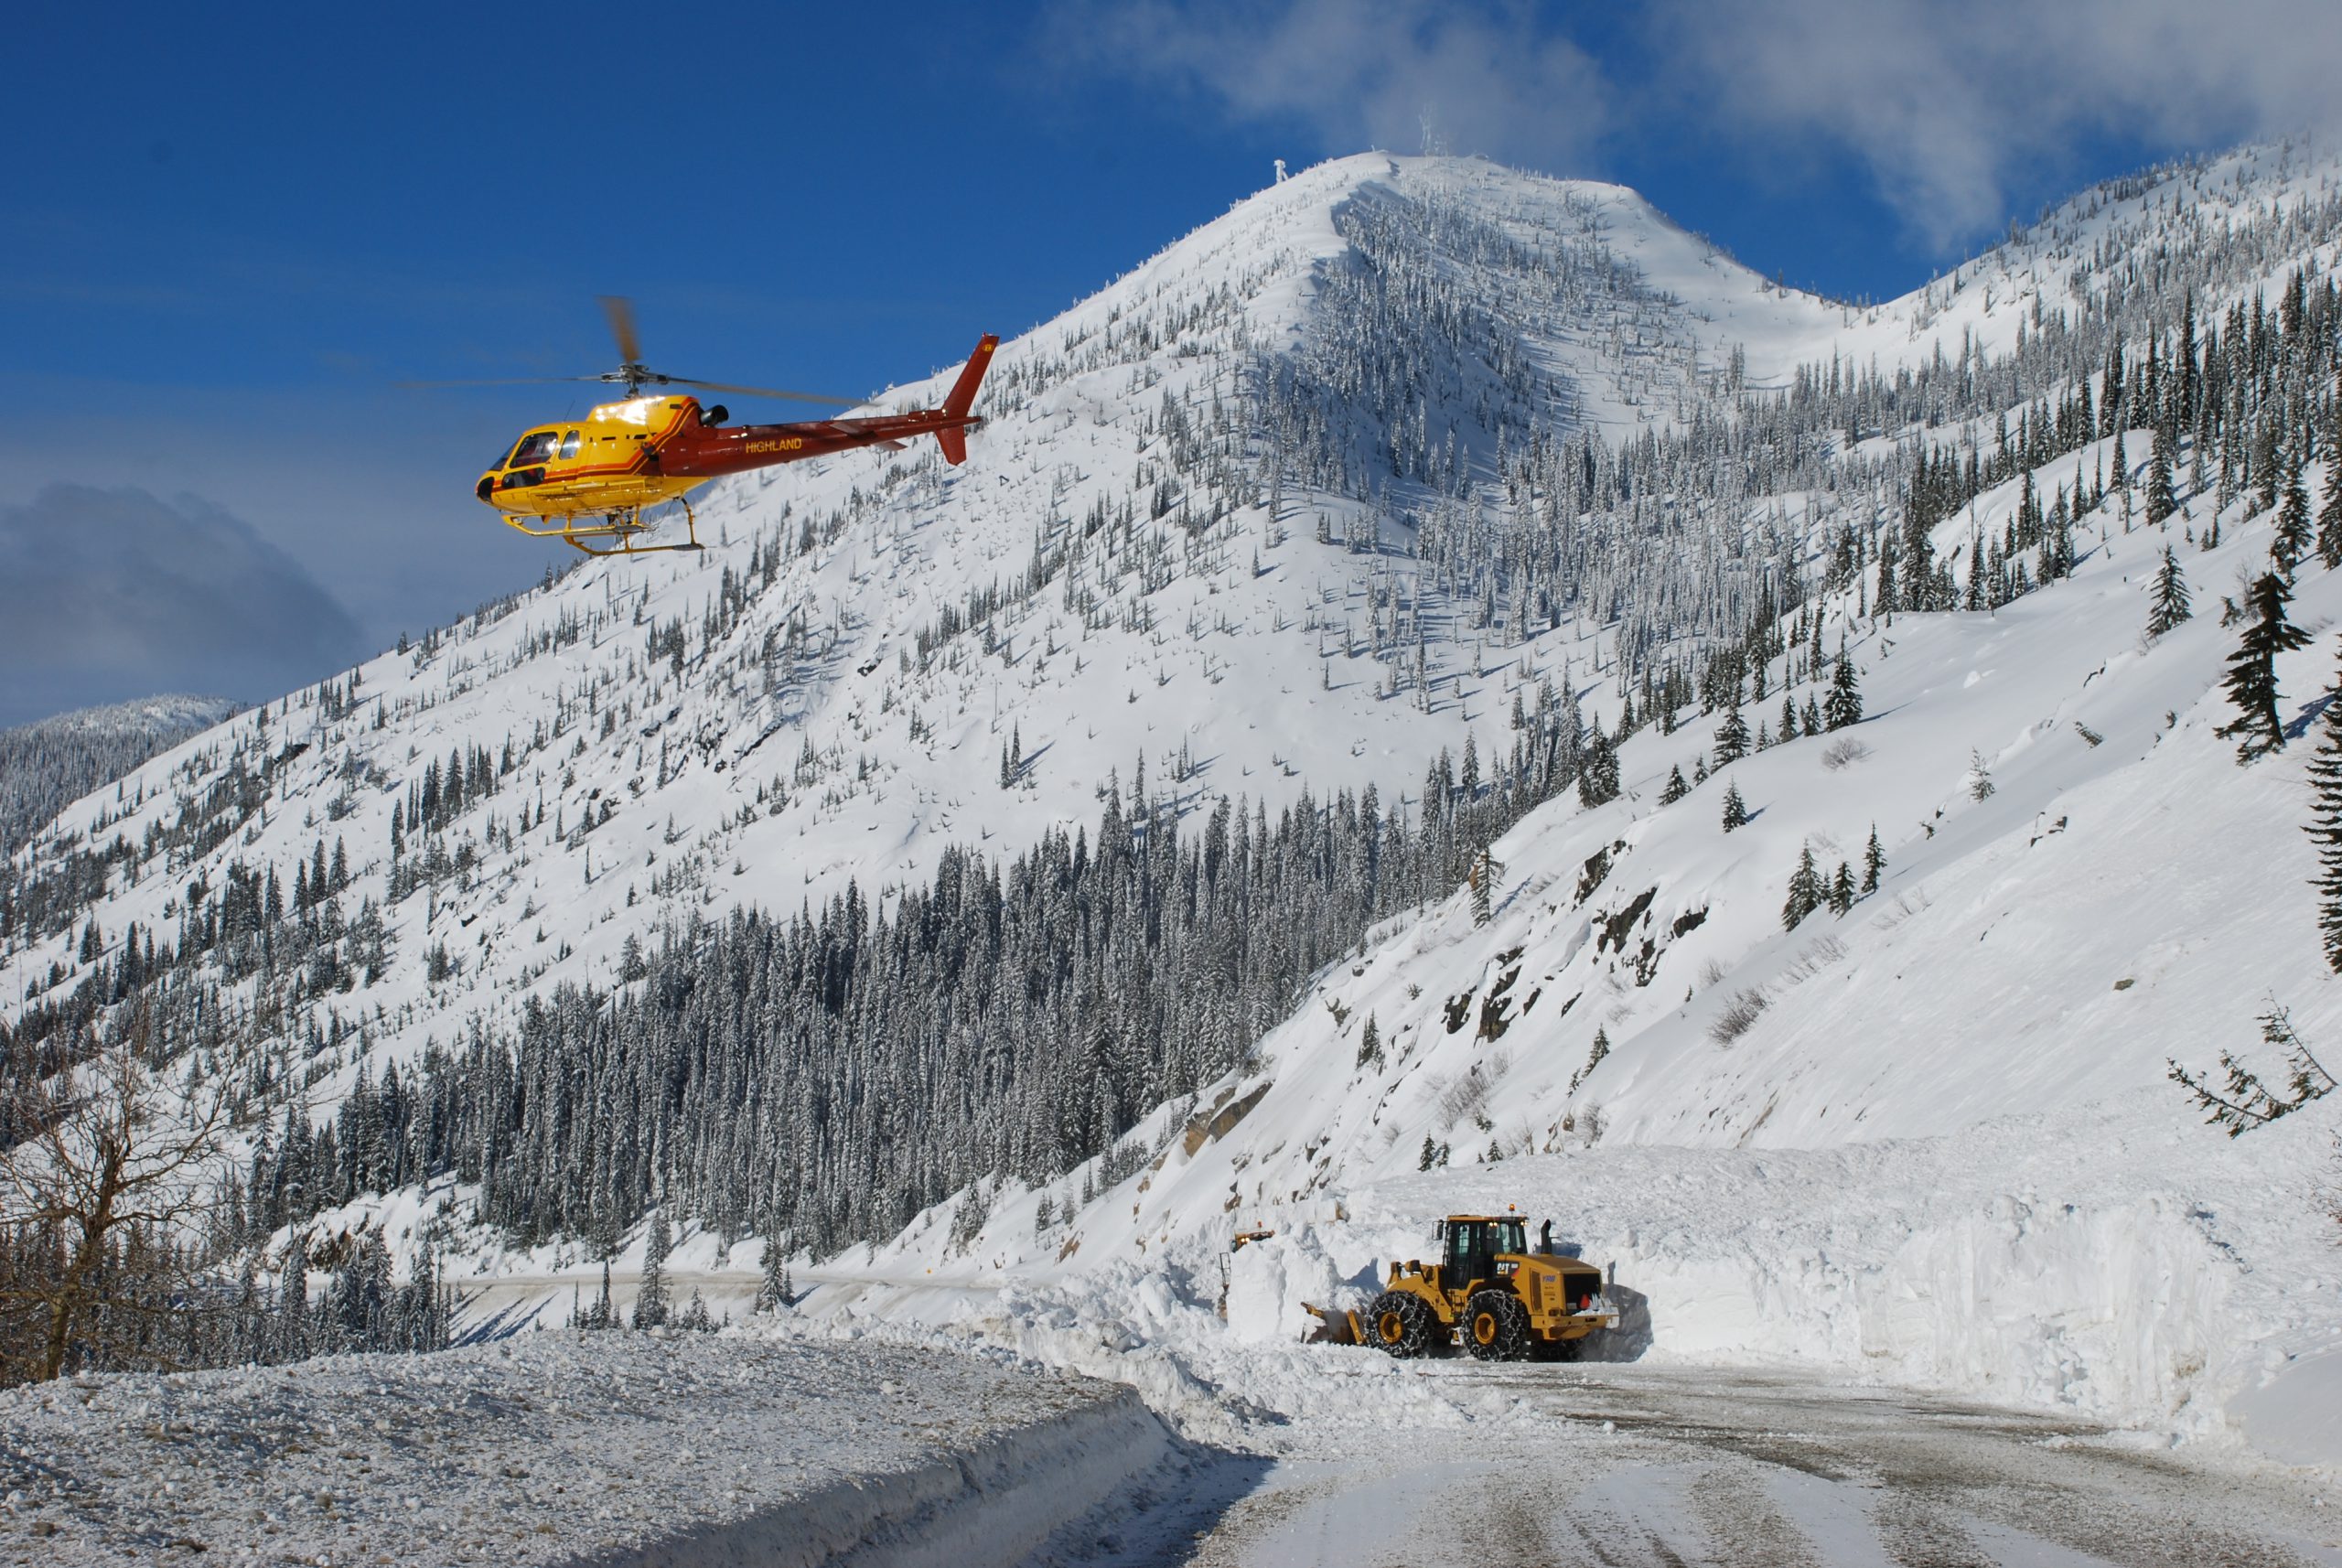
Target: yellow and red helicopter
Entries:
(587, 482)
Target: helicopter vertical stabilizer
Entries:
(954, 440)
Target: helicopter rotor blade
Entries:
(766, 392)
(500, 382)
(620, 310)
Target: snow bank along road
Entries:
(563, 1447)
(1619, 1464)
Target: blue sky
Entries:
(223, 242)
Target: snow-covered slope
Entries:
(1347, 477)
(1944, 1148)
(826, 693)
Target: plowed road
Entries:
(1602, 1465)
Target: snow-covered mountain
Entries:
(1415, 477)
(47, 765)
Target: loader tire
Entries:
(1399, 1324)
(1496, 1327)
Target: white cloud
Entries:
(1357, 74)
(1946, 102)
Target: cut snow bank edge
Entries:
(997, 1504)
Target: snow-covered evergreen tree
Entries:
(2325, 827)
(2329, 512)
(1597, 779)
(1731, 736)
(1806, 891)
(772, 1286)
(2162, 498)
(1844, 706)
(2252, 678)
(2294, 535)
(650, 1301)
(2169, 606)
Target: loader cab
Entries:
(1471, 1243)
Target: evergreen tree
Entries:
(2161, 500)
(2252, 679)
(1593, 1057)
(1979, 778)
(293, 1302)
(1788, 718)
(1844, 706)
(1430, 1157)
(2170, 606)
(1675, 788)
(1597, 779)
(1841, 889)
(2267, 470)
(2325, 829)
(2294, 535)
(772, 1289)
(650, 1302)
(1806, 891)
(1369, 1043)
(1874, 863)
(2329, 513)
(1735, 811)
(603, 1315)
(1731, 735)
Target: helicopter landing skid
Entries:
(623, 529)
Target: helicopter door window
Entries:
(569, 444)
(533, 448)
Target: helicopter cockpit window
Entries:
(502, 458)
(535, 448)
(569, 444)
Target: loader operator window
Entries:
(1511, 1238)
(1467, 1254)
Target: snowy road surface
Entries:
(1632, 1466)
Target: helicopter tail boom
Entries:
(703, 451)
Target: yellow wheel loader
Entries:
(1487, 1293)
